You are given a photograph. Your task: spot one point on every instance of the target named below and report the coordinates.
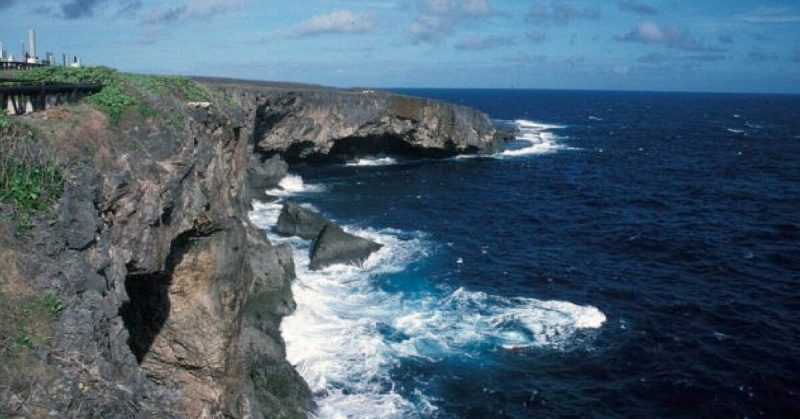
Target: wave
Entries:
(348, 334)
(537, 139)
(384, 161)
(294, 185)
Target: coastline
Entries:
(171, 294)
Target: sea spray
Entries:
(349, 333)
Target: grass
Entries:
(30, 180)
(26, 324)
(124, 91)
(114, 99)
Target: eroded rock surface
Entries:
(335, 245)
(295, 220)
(263, 175)
(170, 300)
(316, 124)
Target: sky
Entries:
(668, 45)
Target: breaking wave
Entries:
(534, 138)
(383, 161)
(348, 333)
(293, 185)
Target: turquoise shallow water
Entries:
(631, 255)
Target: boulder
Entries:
(334, 245)
(263, 175)
(295, 220)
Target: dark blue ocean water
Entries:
(675, 216)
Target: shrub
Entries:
(122, 91)
(114, 99)
(29, 180)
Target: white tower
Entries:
(32, 47)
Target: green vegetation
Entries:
(26, 324)
(4, 122)
(123, 91)
(29, 180)
(114, 99)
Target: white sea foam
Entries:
(293, 185)
(383, 161)
(539, 137)
(347, 334)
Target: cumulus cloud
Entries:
(475, 42)
(193, 10)
(648, 32)
(637, 6)
(560, 12)
(439, 19)
(338, 21)
(430, 29)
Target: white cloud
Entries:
(478, 8)
(648, 32)
(771, 15)
(338, 21)
(194, 10)
(475, 42)
(560, 12)
(440, 18)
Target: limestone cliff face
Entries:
(345, 125)
(330, 125)
(172, 299)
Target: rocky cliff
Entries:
(306, 123)
(166, 301)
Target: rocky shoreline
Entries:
(170, 299)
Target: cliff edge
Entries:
(317, 124)
(132, 282)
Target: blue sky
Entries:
(702, 45)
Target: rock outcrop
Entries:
(169, 299)
(334, 245)
(172, 299)
(263, 175)
(341, 126)
(310, 124)
(295, 220)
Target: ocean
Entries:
(630, 255)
